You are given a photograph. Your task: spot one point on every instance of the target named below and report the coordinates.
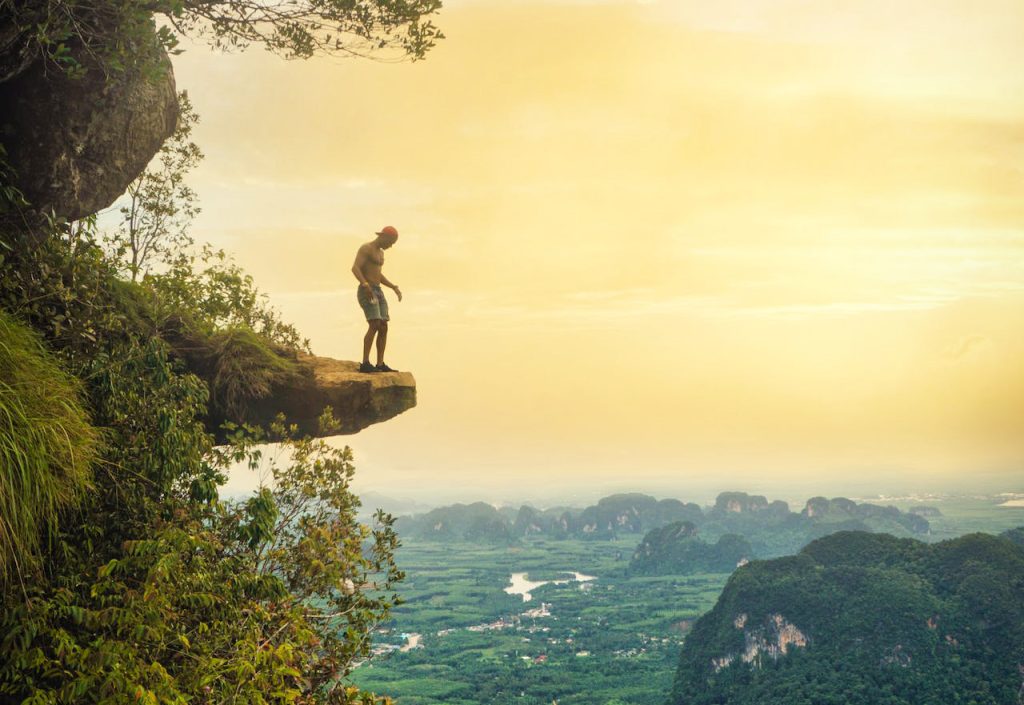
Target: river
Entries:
(520, 585)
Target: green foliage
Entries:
(152, 589)
(67, 290)
(205, 292)
(884, 620)
(268, 600)
(341, 572)
(47, 446)
(245, 368)
(11, 199)
(160, 205)
(153, 414)
(116, 36)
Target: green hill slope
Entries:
(859, 618)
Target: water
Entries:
(520, 585)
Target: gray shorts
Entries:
(374, 311)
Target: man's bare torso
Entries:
(372, 262)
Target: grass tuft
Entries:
(47, 447)
(244, 367)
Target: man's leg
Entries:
(382, 341)
(368, 340)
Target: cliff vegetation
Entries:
(130, 363)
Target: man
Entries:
(367, 268)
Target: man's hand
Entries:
(398, 293)
(373, 296)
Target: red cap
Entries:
(388, 230)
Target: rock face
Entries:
(358, 400)
(733, 503)
(773, 639)
(76, 143)
(15, 44)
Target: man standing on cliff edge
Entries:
(367, 268)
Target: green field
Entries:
(964, 515)
(612, 641)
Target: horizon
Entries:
(242, 485)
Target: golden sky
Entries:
(677, 246)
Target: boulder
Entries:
(75, 143)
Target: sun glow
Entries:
(701, 243)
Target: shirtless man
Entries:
(367, 268)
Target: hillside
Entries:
(859, 618)
(676, 550)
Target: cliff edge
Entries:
(358, 400)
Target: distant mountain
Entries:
(868, 517)
(774, 530)
(468, 522)
(770, 527)
(740, 503)
(612, 516)
(557, 523)
(864, 619)
(676, 549)
(632, 513)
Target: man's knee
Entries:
(382, 326)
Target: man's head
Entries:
(387, 237)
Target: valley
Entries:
(467, 636)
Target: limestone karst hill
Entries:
(770, 527)
(859, 618)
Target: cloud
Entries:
(966, 346)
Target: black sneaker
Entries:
(366, 367)
(384, 368)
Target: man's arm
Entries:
(385, 282)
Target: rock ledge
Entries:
(357, 399)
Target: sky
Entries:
(672, 246)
